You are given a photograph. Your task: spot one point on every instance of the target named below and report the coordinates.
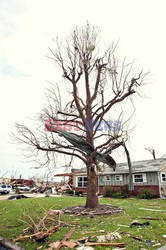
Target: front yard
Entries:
(151, 236)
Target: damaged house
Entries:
(147, 174)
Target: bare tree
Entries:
(78, 123)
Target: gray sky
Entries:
(27, 28)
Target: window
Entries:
(82, 181)
(139, 178)
(163, 177)
(101, 180)
(108, 177)
(118, 177)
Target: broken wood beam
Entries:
(67, 236)
(105, 244)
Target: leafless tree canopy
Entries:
(97, 85)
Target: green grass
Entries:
(11, 227)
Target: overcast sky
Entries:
(27, 28)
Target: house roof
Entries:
(139, 166)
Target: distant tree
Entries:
(152, 151)
(96, 87)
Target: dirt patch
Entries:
(101, 210)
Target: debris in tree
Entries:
(86, 147)
(135, 223)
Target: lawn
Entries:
(11, 227)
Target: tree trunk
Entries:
(131, 185)
(92, 189)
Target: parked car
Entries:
(23, 188)
(5, 188)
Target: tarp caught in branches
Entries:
(78, 142)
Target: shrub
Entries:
(147, 194)
(70, 192)
(107, 191)
(78, 193)
(125, 190)
(117, 195)
(114, 193)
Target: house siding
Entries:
(151, 179)
(152, 183)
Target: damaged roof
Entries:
(139, 166)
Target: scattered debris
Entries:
(40, 228)
(105, 244)
(161, 248)
(6, 245)
(154, 210)
(117, 248)
(101, 210)
(55, 213)
(68, 244)
(164, 236)
(150, 218)
(119, 225)
(109, 237)
(17, 197)
(39, 236)
(156, 245)
(82, 247)
(101, 231)
(135, 223)
(148, 242)
(64, 242)
(134, 237)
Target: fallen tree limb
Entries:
(39, 235)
